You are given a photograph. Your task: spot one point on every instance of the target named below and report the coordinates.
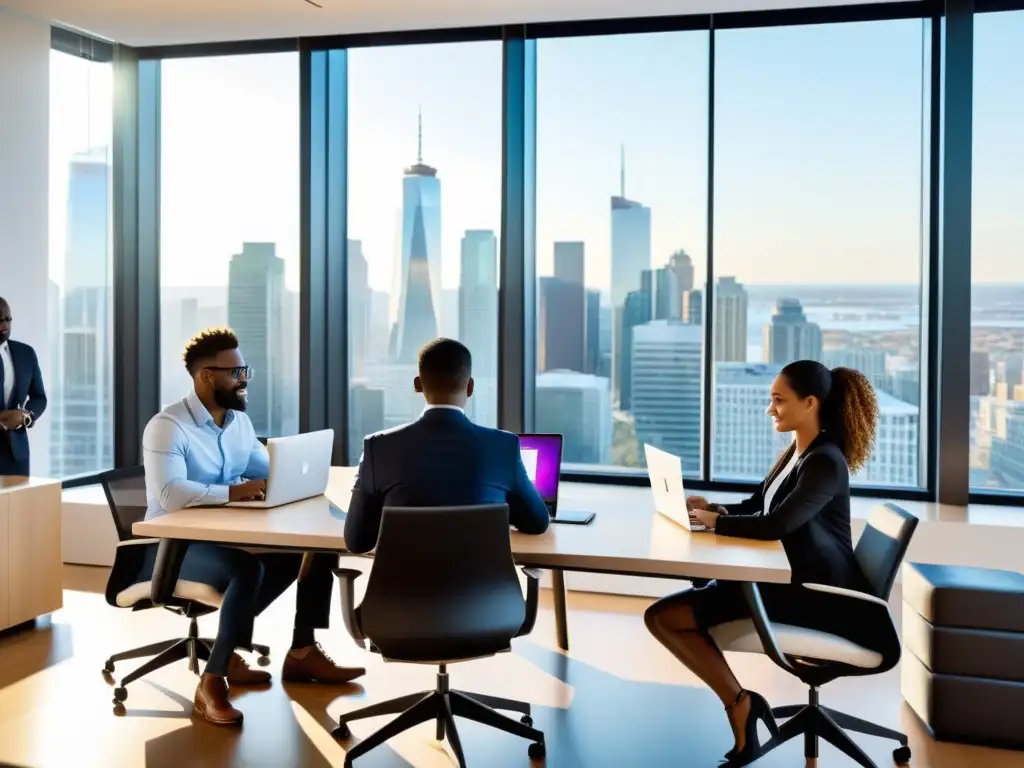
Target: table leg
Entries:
(169, 555)
(561, 619)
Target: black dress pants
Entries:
(248, 583)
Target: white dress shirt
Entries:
(8, 363)
(773, 487)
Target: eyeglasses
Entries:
(237, 372)
(6, 320)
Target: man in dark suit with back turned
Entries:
(23, 397)
(442, 458)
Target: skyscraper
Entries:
(562, 313)
(592, 341)
(789, 335)
(477, 319)
(631, 255)
(419, 271)
(635, 313)
(83, 421)
(256, 314)
(358, 310)
(731, 304)
(577, 406)
(681, 263)
(666, 298)
(666, 389)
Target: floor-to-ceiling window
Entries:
(424, 222)
(997, 262)
(818, 229)
(621, 200)
(80, 383)
(229, 222)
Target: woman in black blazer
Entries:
(804, 503)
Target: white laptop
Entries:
(300, 466)
(666, 473)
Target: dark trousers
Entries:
(10, 466)
(249, 583)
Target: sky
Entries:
(818, 149)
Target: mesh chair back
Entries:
(125, 490)
(883, 544)
(443, 584)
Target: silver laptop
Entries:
(300, 466)
(666, 473)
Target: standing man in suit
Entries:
(442, 458)
(24, 399)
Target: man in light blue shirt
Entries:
(203, 451)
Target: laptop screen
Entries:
(542, 455)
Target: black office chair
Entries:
(125, 490)
(443, 588)
(818, 658)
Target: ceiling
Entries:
(172, 22)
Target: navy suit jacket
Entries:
(28, 391)
(442, 459)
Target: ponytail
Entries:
(849, 414)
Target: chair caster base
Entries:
(901, 755)
(526, 720)
(342, 731)
(109, 666)
(537, 750)
(120, 694)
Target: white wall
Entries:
(24, 189)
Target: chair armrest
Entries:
(763, 627)
(170, 554)
(532, 600)
(347, 587)
(850, 593)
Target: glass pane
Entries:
(997, 270)
(424, 217)
(229, 222)
(818, 229)
(621, 240)
(80, 384)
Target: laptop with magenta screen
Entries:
(542, 456)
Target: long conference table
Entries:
(627, 537)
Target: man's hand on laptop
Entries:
(250, 490)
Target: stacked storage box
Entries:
(963, 661)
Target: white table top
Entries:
(626, 537)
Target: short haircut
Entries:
(445, 365)
(206, 345)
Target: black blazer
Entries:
(28, 391)
(442, 459)
(810, 514)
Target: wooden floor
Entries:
(617, 700)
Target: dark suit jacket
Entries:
(28, 391)
(442, 459)
(810, 514)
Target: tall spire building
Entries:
(419, 270)
(631, 255)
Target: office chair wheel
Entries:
(537, 750)
(120, 694)
(342, 731)
(263, 661)
(526, 720)
(109, 666)
(901, 755)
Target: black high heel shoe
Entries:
(760, 710)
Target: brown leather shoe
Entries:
(239, 673)
(211, 702)
(312, 665)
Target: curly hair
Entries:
(207, 344)
(854, 412)
(849, 407)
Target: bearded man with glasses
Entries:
(203, 451)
